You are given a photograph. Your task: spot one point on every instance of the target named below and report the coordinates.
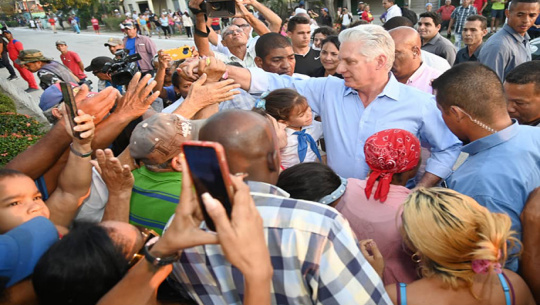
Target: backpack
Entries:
(407, 13)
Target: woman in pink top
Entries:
(372, 206)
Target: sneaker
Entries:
(29, 90)
(12, 77)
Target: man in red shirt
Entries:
(14, 47)
(446, 14)
(480, 5)
(71, 60)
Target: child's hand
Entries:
(373, 255)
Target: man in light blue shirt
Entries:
(503, 162)
(369, 99)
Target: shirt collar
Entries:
(493, 140)
(434, 39)
(514, 34)
(417, 74)
(476, 53)
(266, 188)
(391, 90)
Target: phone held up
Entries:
(210, 174)
(71, 106)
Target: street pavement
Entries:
(87, 44)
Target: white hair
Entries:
(375, 41)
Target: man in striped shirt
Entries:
(156, 143)
(315, 256)
(459, 16)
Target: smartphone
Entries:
(210, 174)
(179, 53)
(71, 106)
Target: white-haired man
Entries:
(366, 57)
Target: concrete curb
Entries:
(25, 103)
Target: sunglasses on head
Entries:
(147, 235)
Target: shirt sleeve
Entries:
(76, 57)
(345, 277)
(151, 47)
(450, 54)
(495, 58)
(453, 15)
(312, 89)
(18, 46)
(445, 146)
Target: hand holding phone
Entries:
(71, 106)
(210, 174)
(179, 53)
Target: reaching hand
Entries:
(138, 97)
(189, 69)
(116, 176)
(97, 105)
(242, 237)
(373, 255)
(163, 59)
(213, 68)
(85, 127)
(203, 94)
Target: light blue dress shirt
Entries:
(505, 50)
(500, 172)
(347, 123)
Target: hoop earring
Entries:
(416, 258)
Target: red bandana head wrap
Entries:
(388, 152)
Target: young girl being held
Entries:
(290, 108)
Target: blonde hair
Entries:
(450, 230)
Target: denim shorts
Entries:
(499, 14)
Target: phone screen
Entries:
(207, 176)
(71, 106)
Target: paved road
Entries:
(88, 45)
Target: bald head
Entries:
(406, 35)
(249, 143)
(408, 52)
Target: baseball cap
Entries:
(325, 9)
(98, 63)
(22, 247)
(129, 25)
(31, 55)
(61, 42)
(113, 42)
(428, 4)
(158, 138)
(6, 31)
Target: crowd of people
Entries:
(367, 166)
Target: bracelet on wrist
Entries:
(79, 154)
(157, 261)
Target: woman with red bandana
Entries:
(371, 206)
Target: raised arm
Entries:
(201, 40)
(274, 21)
(241, 238)
(242, 12)
(163, 63)
(42, 156)
(119, 181)
(74, 180)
